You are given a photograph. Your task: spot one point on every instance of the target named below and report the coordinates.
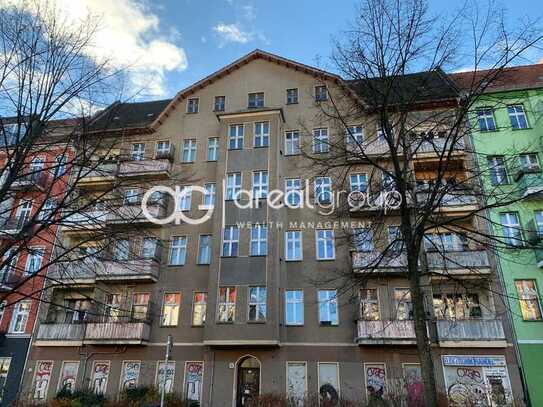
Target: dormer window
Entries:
(321, 93)
(192, 105)
(256, 100)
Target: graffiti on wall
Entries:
(42, 377)
(100, 374)
(68, 376)
(170, 371)
(130, 375)
(194, 375)
(375, 380)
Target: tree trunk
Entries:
(421, 333)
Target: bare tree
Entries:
(421, 197)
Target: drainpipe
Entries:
(166, 359)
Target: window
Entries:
(20, 317)
(23, 213)
(294, 308)
(230, 241)
(323, 190)
(4, 370)
(359, 182)
(402, 303)
(227, 304)
(320, 141)
(76, 311)
(325, 244)
(328, 378)
(328, 307)
(204, 249)
(292, 96)
(199, 308)
(47, 210)
(33, 261)
(235, 137)
(233, 185)
(209, 195)
(498, 171)
(395, 240)
(389, 183)
(381, 135)
(517, 117)
(321, 94)
(140, 306)
(131, 196)
(189, 151)
(255, 100)
(162, 149)
(292, 142)
(192, 105)
(262, 134)
(257, 304)
(293, 245)
(212, 148)
(149, 248)
(2, 310)
(178, 250)
(485, 118)
(369, 304)
(529, 162)
(121, 250)
(363, 240)
(457, 306)
(259, 240)
(296, 382)
(293, 192)
(354, 135)
(260, 184)
(60, 166)
(511, 228)
(10, 262)
(185, 199)
(138, 151)
(219, 105)
(36, 165)
(539, 222)
(170, 309)
(112, 308)
(528, 300)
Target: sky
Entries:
(170, 44)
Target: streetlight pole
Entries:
(165, 374)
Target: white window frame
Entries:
(486, 114)
(529, 162)
(260, 184)
(354, 135)
(261, 134)
(236, 134)
(178, 250)
(259, 240)
(329, 301)
(498, 170)
(189, 151)
(193, 105)
(322, 240)
(356, 180)
(516, 114)
(230, 241)
(212, 148)
(512, 232)
(295, 301)
(319, 95)
(208, 200)
(199, 305)
(215, 104)
(293, 192)
(257, 303)
(291, 241)
(138, 152)
(207, 259)
(259, 102)
(172, 306)
(292, 99)
(233, 188)
(321, 143)
(184, 202)
(227, 304)
(322, 188)
(24, 315)
(162, 148)
(292, 142)
(34, 255)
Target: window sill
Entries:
(292, 103)
(258, 255)
(525, 128)
(225, 322)
(197, 326)
(328, 325)
(211, 161)
(256, 322)
(294, 325)
(174, 265)
(294, 260)
(229, 257)
(192, 112)
(326, 259)
(261, 146)
(203, 264)
(186, 162)
(235, 149)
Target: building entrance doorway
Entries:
(248, 381)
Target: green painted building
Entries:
(507, 136)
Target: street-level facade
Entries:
(237, 292)
(507, 137)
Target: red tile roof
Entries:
(513, 78)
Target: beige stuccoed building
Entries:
(241, 302)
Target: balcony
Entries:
(436, 147)
(539, 257)
(133, 213)
(530, 184)
(370, 148)
(385, 332)
(14, 226)
(100, 175)
(55, 334)
(157, 168)
(85, 221)
(458, 202)
(36, 181)
(113, 333)
(470, 333)
(75, 272)
(8, 280)
(372, 262)
(459, 262)
(141, 270)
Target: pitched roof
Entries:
(513, 78)
(128, 115)
(256, 54)
(420, 87)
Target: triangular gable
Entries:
(256, 54)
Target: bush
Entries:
(79, 398)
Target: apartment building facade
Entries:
(507, 131)
(237, 293)
(29, 199)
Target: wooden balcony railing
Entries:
(117, 332)
(60, 332)
(455, 261)
(374, 260)
(385, 331)
(147, 167)
(470, 330)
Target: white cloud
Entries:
(232, 33)
(130, 36)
